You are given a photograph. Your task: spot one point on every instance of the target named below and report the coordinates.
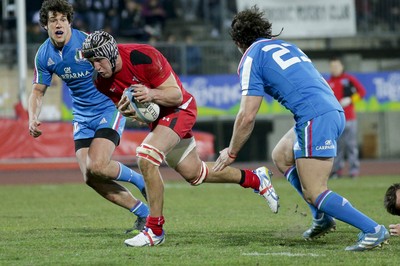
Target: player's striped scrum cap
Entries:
(100, 44)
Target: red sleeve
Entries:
(158, 71)
(359, 87)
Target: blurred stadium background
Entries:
(193, 35)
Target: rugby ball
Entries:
(146, 112)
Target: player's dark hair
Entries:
(249, 25)
(60, 6)
(391, 198)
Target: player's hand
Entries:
(124, 107)
(346, 101)
(142, 93)
(223, 160)
(34, 130)
(394, 229)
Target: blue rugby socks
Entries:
(336, 206)
(128, 175)
(293, 178)
(140, 209)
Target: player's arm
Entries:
(242, 129)
(360, 90)
(244, 122)
(34, 107)
(166, 94)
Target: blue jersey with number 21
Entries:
(283, 71)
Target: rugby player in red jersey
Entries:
(171, 138)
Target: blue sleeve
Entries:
(250, 75)
(41, 74)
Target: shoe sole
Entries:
(330, 230)
(147, 245)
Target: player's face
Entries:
(398, 199)
(103, 67)
(336, 68)
(58, 28)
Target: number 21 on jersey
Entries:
(281, 51)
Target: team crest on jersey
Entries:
(79, 56)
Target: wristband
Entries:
(231, 155)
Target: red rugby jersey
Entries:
(341, 86)
(142, 64)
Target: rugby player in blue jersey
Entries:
(304, 154)
(97, 124)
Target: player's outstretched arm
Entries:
(34, 107)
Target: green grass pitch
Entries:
(214, 224)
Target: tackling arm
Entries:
(34, 107)
(168, 94)
(242, 129)
(244, 123)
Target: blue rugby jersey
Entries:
(283, 71)
(75, 71)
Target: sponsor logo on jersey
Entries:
(103, 121)
(296, 146)
(68, 74)
(50, 62)
(328, 146)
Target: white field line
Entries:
(287, 254)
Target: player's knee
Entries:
(145, 166)
(200, 176)
(95, 170)
(310, 196)
(281, 159)
(148, 154)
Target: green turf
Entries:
(207, 225)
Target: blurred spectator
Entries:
(389, 12)
(35, 33)
(132, 22)
(172, 51)
(154, 16)
(193, 55)
(191, 9)
(80, 16)
(347, 90)
(214, 9)
(364, 15)
(32, 8)
(173, 8)
(113, 14)
(96, 10)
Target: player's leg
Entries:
(352, 149)
(93, 152)
(339, 160)
(283, 158)
(150, 155)
(106, 187)
(110, 125)
(185, 160)
(314, 163)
